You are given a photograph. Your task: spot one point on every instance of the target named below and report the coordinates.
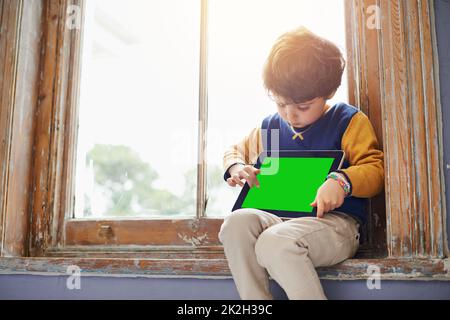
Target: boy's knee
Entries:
(272, 246)
(238, 221)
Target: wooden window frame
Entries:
(407, 236)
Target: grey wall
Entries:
(51, 287)
(442, 8)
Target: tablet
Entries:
(289, 180)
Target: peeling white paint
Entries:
(447, 265)
(195, 241)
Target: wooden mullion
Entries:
(203, 113)
(69, 141)
(10, 15)
(20, 54)
(49, 129)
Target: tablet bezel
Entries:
(338, 155)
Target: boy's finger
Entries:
(254, 180)
(320, 209)
(231, 182)
(248, 169)
(252, 170)
(243, 175)
(238, 180)
(251, 179)
(314, 203)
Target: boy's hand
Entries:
(329, 196)
(239, 172)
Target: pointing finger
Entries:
(320, 207)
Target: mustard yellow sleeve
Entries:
(366, 170)
(246, 151)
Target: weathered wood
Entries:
(364, 92)
(192, 232)
(202, 114)
(414, 194)
(138, 251)
(72, 63)
(50, 141)
(10, 12)
(19, 78)
(389, 269)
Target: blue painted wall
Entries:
(54, 287)
(51, 287)
(442, 8)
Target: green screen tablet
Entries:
(289, 181)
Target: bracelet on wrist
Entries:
(342, 181)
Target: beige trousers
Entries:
(259, 244)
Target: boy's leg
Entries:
(238, 234)
(290, 251)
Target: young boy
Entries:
(302, 72)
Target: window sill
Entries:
(352, 269)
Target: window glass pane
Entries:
(137, 138)
(241, 34)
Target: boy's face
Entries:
(301, 114)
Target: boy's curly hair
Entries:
(302, 66)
